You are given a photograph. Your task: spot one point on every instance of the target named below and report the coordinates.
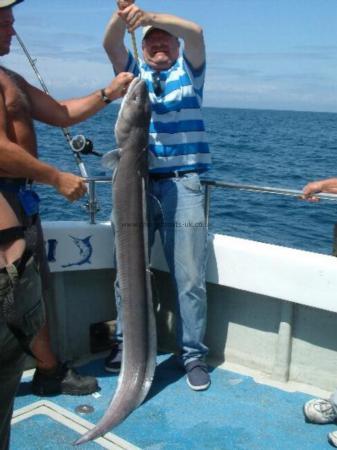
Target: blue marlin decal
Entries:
(85, 248)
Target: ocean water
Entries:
(283, 149)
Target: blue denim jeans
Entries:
(176, 210)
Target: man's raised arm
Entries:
(130, 16)
(113, 41)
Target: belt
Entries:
(11, 234)
(12, 184)
(20, 263)
(175, 174)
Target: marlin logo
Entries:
(85, 248)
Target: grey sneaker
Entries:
(197, 375)
(319, 411)
(332, 438)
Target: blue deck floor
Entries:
(236, 413)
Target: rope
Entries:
(134, 44)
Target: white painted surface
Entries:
(92, 247)
(280, 272)
(288, 274)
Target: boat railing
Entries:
(209, 184)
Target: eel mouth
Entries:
(130, 92)
(136, 94)
(132, 85)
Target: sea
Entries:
(283, 149)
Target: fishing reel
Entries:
(80, 144)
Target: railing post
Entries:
(207, 203)
(282, 360)
(92, 204)
(334, 242)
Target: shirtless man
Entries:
(21, 307)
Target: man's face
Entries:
(160, 49)
(6, 30)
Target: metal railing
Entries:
(208, 183)
(92, 204)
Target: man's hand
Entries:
(310, 189)
(119, 85)
(328, 185)
(71, 186)
(133, 16)
(122, 4)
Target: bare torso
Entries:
(20, 127)
(20, 130)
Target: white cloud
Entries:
(64, 77)
(229, 83)
(246, 80)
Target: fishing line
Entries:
(135, 50)
(134, 45)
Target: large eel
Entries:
(130, 220)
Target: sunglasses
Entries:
(157, 83)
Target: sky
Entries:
(264, 54)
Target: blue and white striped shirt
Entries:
(177, 133)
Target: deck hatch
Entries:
(69, 420)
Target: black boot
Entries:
(63, 380)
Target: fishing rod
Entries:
(79, 143)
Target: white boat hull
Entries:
(270, 308)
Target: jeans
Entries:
(176, 210)
(30, 311)
(30, 316)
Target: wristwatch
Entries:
(104, 97)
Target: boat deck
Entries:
(236, 413)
